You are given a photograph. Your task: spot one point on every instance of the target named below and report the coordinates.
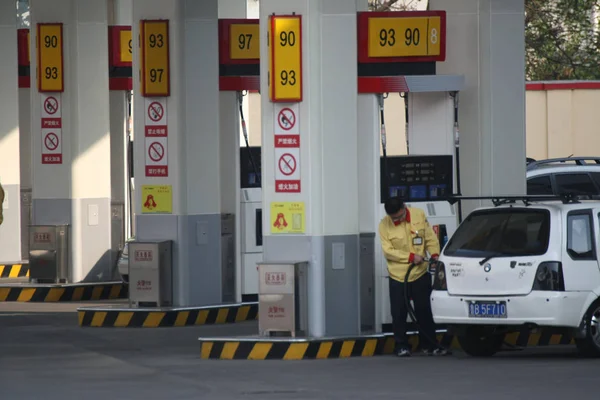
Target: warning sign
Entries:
(288, 217)
(287, 141)
(157, 199)
(156, 116)
(156, 157)
(286, 119)
(51, 111)
(287, 170)
(156, 133)
(51, 133)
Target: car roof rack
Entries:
(562, 160)
(566, 198)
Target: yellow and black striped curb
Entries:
(144, 318)
(14, 271)
(367, 346)
(63, 293)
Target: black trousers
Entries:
(420, 292)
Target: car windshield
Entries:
(508, 232)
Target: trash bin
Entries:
(49, 253)
(151, 273)
(283, 298)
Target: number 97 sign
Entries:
(285, 58)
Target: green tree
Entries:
(561, 38)
(394, 5)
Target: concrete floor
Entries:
(45, 355)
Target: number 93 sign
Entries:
(155, 58)
(416, 36)
(50, 57)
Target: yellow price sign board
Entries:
(125, 48)
(244, 42)
(50, 57)
(155, 77)
(285, 58)
(157, 199)
(288, 217)
(405, 37)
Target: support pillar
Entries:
(77, 190)
(201, 221)
(328, 163)
(231, 131)
(120, 13)
(10, 236)
(486, 44)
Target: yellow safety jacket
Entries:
(401, 242)
(1, 204)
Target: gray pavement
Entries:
(45, 355)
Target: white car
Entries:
(577, 175)
(526, 264)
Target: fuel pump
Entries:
(250, 212)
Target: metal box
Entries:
(49, 253)
(151, 273)
(283, 298)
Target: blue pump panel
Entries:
(418, 178)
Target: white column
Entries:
(327, 163)
(230, 128)
(486, 44)
(120, 13)
(77, 191)
(197, 223)
(10, 236)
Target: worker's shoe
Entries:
(441, 352)
(403, 352)
(436, 352)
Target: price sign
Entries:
(285, 58)
(155, 58)
(50, 57)
(244, 42)
(125, 47)
(405, 37)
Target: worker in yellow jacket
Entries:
(1, 204)
(406, 236)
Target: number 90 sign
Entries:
(50, 57)
(285, 58)
(405, 36)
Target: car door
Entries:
(580, 250)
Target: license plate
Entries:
(487, 309)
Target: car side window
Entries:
(596, 177)
(580, 236)
(540, 185)
(575, 183)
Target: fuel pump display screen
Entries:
(417, 178)
(249, 178)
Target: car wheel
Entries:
(590, 345)
(478, 343)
